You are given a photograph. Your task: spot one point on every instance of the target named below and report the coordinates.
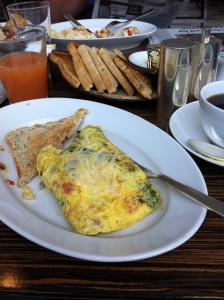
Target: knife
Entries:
(74, 22)
(197, 196)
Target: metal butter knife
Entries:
(74, 22)
(199, 197)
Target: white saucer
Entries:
(139, 59)
(185, 124)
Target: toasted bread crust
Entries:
(107, 58)
(119, 53)
(57, 54)
(108, 78)
(68, 72)
(79, 66)
(140, 82)
(65, 64)
(25, 143)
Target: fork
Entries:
(110, 25)
(199, 197)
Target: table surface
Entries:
(193, 270)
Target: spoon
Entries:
(29, 33)
(74, 22)
(209, 150)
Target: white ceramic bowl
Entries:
(212, 117)
(145, 30)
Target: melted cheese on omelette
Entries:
(98, 187)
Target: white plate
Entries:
(145, 29)
(41, 220)
(139, 59)
(185, 124)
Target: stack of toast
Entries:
(100, 69)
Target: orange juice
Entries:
(24, 76)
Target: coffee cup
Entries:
(211, 108)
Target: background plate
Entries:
(145, 29)
(41, 220)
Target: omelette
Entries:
(98, 187)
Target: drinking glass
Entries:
(23, 62)
(175, 75)
(32, 13)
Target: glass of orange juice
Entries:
(23, 62)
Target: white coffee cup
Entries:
(211, 113)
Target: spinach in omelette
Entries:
(99, 188)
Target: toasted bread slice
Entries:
(25, 143)
(75, 44)
(118, 52)
(80, 68)
(57, 54)
(65, 64)
(107, 58)
(108, 78)
(139, 81)
(84, 52)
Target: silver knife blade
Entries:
(197, 196)
(75, 22)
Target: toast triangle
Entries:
(107, 59)
(80, 68)
(65, 64)
(26, 142)
(108, 78)
(141, 83)
(84, 52)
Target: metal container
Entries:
(153, 58)
(206, 65)
(175, 76)
(153, 51)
